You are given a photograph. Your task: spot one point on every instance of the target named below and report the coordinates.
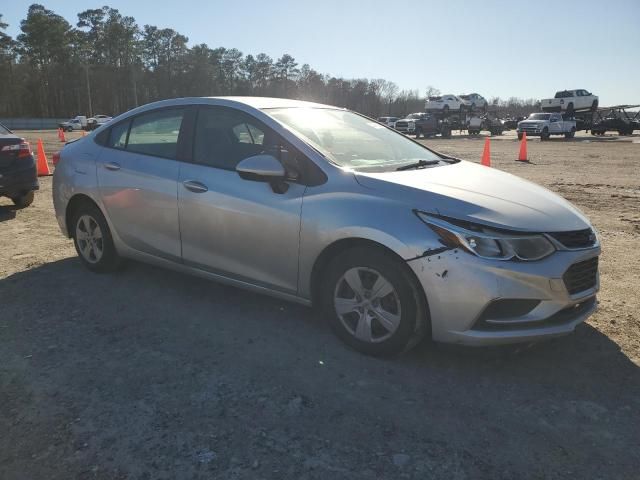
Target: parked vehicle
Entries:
(615, 124)
(477, 124)
(423, 124)
(544, 125)
(18, 174)
(388, 121)
(444, 103)
(569, 101)
(98, 120)
(393, 240)
(474, 100)
(76, 123)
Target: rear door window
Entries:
(156, 133)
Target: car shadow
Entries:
(7, 212)
(146, 339)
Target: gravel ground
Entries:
(150, 374)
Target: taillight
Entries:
(55, 158)
(23, 149)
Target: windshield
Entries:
(4, 130)
(540, 116)
(414, 115)
(352, 141)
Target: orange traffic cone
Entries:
(486, 154)
(62, 137)
(43, 164)
(523, 148)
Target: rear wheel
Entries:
(23, 201)
(570, 134)
(570, 109)
(93, 241)
(418, 132)
(373, 303)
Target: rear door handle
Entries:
(112, 166)
(195, 187)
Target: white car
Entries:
(97, 121)
(388, 121)
(474, 100)
(570, 100)
(444, 103)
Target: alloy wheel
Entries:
(367, 304)
(89, 239)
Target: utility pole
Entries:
(86, 75)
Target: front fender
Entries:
(330, 217)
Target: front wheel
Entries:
(93, 241)
(545, 134)
(373, 303)
(23, 201)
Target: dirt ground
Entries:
(150, 374)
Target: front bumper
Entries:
(460, 289)
(20, 179)
(530, 131)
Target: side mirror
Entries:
(261, 168)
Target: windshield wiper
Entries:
(418, 164)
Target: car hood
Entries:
(472, 192)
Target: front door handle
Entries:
(195, 187)
(112, 166)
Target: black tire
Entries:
(110, 261)
(414, 321)
(570, 134)
(570, 108)
(446, 133)
(545, 134)
(69, 129)
(418, 133)
(594, 106)
(25, 200)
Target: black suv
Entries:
(423, 124)
(18, 174)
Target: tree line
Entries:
(108, 64)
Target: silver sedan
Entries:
(323, 206)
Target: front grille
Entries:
(529, 128)
(402, 124)
(581, 276)
(576, 239)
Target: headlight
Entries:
(488, 243)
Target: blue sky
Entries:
(496, 48)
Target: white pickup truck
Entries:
(76, 123)
(570, 101)
(544, 125)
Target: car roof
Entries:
(272, 102)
